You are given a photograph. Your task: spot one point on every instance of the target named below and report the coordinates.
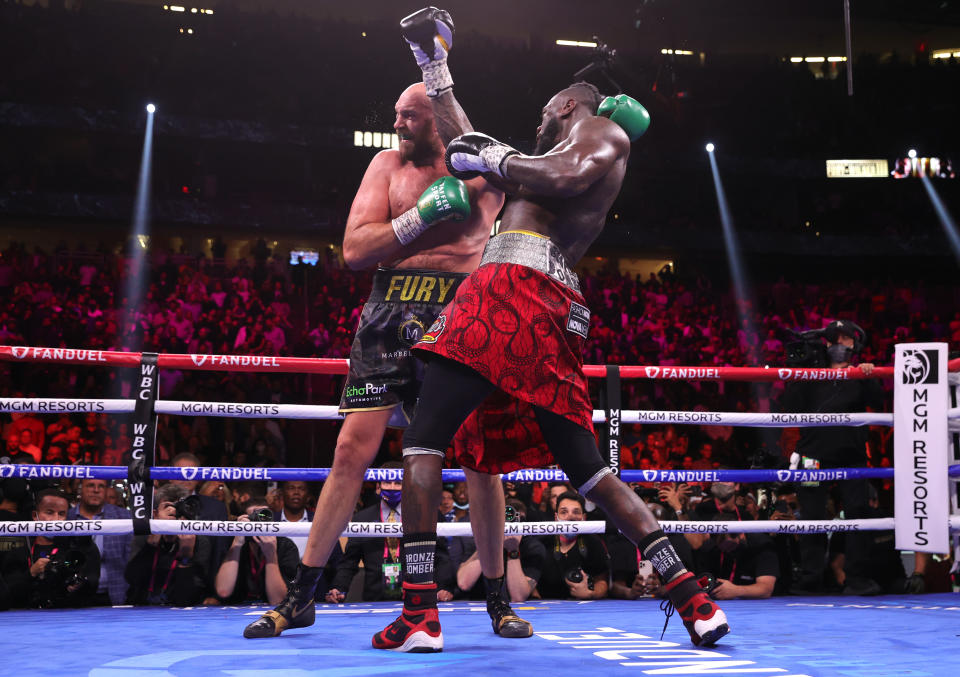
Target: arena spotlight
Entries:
(911, 153)
(136, 283)
(741, 284)
(710, 147)
(946, 220)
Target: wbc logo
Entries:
(649, 475)
(19, 352)
(652, 372)
(783, 475)
(199, 359)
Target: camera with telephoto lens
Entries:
(66, 566)
(63, 571)
(188, 507)
(806, 350)
(262, 515)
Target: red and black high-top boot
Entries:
(417, 629)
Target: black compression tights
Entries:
(452, 391)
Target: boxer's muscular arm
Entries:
(449, 116)
(588, 154)
(452, 121)
(369, 236)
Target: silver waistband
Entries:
(531, 251)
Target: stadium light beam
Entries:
(943, 215)
(138, 272)
(741, 287)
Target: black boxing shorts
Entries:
(383, 372)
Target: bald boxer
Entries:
(517, 327)
(426, 230)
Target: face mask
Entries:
(839, 353)
(391, 497)
(461, 506)
(721, 492)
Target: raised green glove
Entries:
(626, 112)
(445, 198)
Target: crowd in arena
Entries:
(76, 299)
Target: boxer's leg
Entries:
(575, 450)
(450, 392)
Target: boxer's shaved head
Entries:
(415, 126)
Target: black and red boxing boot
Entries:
(702, 618)
(417, 629)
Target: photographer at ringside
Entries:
(256, 568)
(576, 566)
(170, 569)
(44, 572)
(835, 346)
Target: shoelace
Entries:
(501, 607)
(666, 606)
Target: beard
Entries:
(548, 137)
(417, 148)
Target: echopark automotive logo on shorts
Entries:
(920, 367)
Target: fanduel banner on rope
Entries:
(920, 447)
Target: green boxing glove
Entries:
(626, 112)
(445, 198)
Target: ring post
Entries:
(144, 440)
(920, 441)
(610, 402)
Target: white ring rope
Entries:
(395, 529)
(50, 405)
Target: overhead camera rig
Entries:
(601, 65)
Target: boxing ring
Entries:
(791, 636)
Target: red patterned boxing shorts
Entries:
(522, 326)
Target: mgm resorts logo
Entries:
(366, 389)
(920, 367)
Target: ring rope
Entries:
(54, 405)
(122, 527)
(331, 366)
(228, 474)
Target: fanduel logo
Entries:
(920, 367)
(189, 473)
(199, 360)
(6, 471)
(20, 352)
(653, 372)
(783, 475)
(649, 475)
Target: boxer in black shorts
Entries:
(425, 230)
(383, 373)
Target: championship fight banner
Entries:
(920, 442)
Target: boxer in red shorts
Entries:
(516, 327)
